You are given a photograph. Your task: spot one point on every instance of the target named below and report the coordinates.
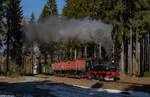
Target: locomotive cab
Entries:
(106, 72)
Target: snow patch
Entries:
(81, 91)
(140, 94)
(15, 96)
(7, 96)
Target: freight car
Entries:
(86, 68)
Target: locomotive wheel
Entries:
(98, 76)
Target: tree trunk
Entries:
(122, 65)
(75, 53)
(145, 54)
(141, 57)
(7, 57)
(50, 60)
(31, 59)
(130, 67)
(100, 50)
(137, 71)
(23, 61)
(45, 59)
(126, 55)
(94, 51)
(149, 52)
(40, 66)
(85, 51)
(113, 52)
(122, 60)
(70, 53)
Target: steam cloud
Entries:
(56, 29)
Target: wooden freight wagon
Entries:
(70, 67)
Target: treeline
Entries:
(130, 35)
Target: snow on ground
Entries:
(15, 96)
(7, 96)
(80, 91)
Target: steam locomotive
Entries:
(94, 64)
(86, 68)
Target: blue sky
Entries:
(36, 6)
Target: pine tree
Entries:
(15, 34)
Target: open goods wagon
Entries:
(76, 67)
(86, 68)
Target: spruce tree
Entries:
(77, 9)
(130, 20)
(15, 34)
(2, 21)
(50, 9)
(1, 14)
(32, 22)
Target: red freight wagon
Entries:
(76, 65)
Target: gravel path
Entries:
(30, 79)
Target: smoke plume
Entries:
(57, 29)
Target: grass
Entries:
(43, 76)
(129, 74)
(146, 74)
